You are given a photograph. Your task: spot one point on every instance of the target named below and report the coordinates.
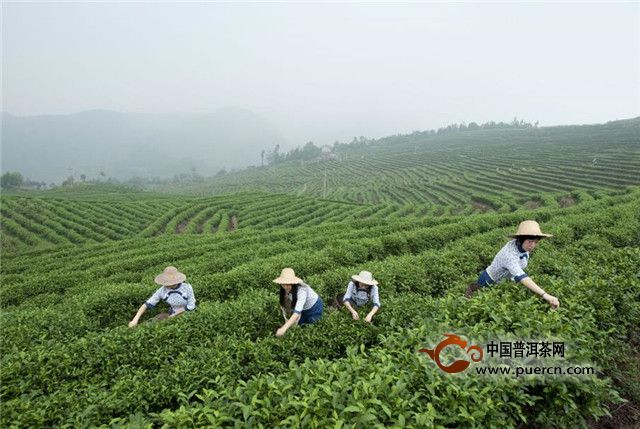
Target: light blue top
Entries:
(361, 295)
(180, 297)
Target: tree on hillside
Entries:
(473, 126)
(11, 180)
(34, 184)
(308, 152)
(274, 156)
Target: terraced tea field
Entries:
(74, 270)
(30, 223)
(425, 213)
(482, 169)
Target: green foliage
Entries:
(495, 168)
(11, 179)
(69, 360)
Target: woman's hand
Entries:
(178, 311)
(533, 287)
(141, 310)
(292, 321)
(355, 315)
(552, 300)
(373, 311)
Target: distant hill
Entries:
(487, 168)
(50, 148)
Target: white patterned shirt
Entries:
(361, 296)
(180, 297)
(510, 261)
(306, 298)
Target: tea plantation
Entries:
(424, 213)
(77, 264)
(481, 170)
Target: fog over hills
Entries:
(123, 145)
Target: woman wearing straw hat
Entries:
(511, 261)
(174, 291)
(299, 303)
(361, 289)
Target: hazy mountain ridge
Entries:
(124, 145)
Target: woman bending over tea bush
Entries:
(299, 303)
(174, 291)
(361, 289)
(511, 261)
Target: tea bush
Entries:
(69, 360)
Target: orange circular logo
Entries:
(458, 365)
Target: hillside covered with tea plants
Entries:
(485, 169)
(76, 265)
(96, 214)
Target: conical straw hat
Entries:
(170, 276)
(530, 228)
(288, 277)
(365, 277)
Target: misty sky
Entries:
(326, 72)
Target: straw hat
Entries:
(288, 277)
(170, 276)
(365, 277)
(530, 228)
